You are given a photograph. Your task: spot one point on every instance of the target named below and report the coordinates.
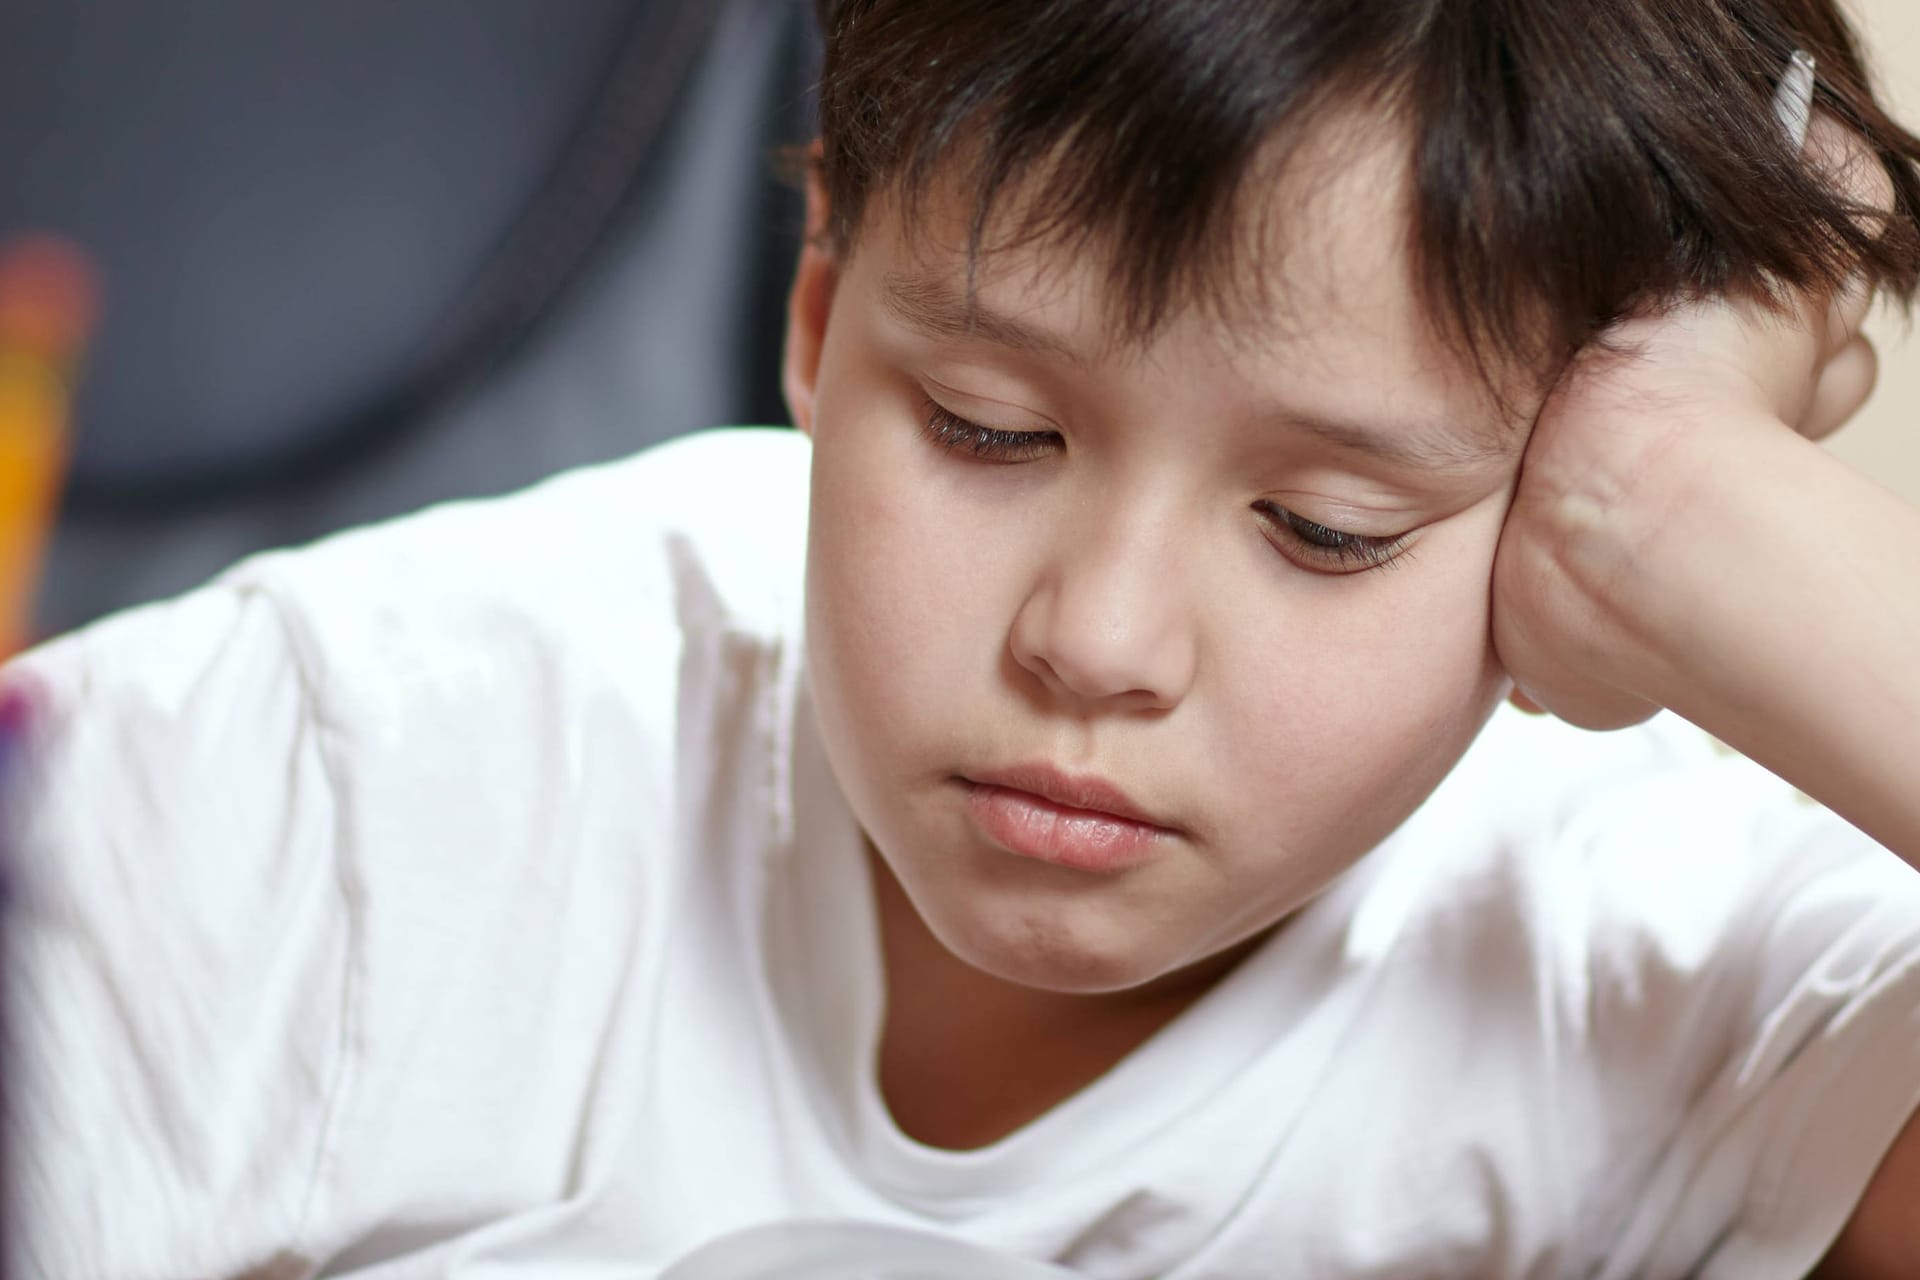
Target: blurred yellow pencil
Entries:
(47, 305)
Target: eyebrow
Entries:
(936, 310)
(1427, 448)
(933, 309)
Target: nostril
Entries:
(1090, 638)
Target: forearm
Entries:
(1778, 607)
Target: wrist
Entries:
(1662, 547)
(1776, 609)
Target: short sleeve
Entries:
(1773, 1155)
(178, 948)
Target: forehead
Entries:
(1317, 294)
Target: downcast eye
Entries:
(1325, 549)
(952, 432)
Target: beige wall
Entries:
(1885, 439)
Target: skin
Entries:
(1118, 604)
(1680, 541)
(1119, 599)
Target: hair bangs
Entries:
(1569, 161)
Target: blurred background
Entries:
(362, 256)
(367, 255)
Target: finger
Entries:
(1844, 159)
(1584, 703)
(1847, 313)
(1611, 711)
(1524, 703)
(1844, 388)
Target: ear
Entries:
(809, 303)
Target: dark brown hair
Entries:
(1571, 159)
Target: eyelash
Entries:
(951, 431)
(1348, 552)
(1335, 550)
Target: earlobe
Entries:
(809, 304)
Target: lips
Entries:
(1071, 791)
(1084, 823)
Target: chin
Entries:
(1036, 948)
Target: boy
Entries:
(1114, 857)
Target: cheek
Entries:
(856, 609)
(1358, 704)
(900, 613)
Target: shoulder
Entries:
(1654, 825)
(722, 511)
(394, 804)
(1646, 867)
(1709, 981)
(573, 633)
(530, 650)
(1644, 900)
(471, 621)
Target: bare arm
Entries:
(1777, 606)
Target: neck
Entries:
(966, 1058)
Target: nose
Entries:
(1109, 620)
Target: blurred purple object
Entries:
(16, 709)
(16, 717)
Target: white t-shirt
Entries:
(469, 896)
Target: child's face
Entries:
(1120, 599)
